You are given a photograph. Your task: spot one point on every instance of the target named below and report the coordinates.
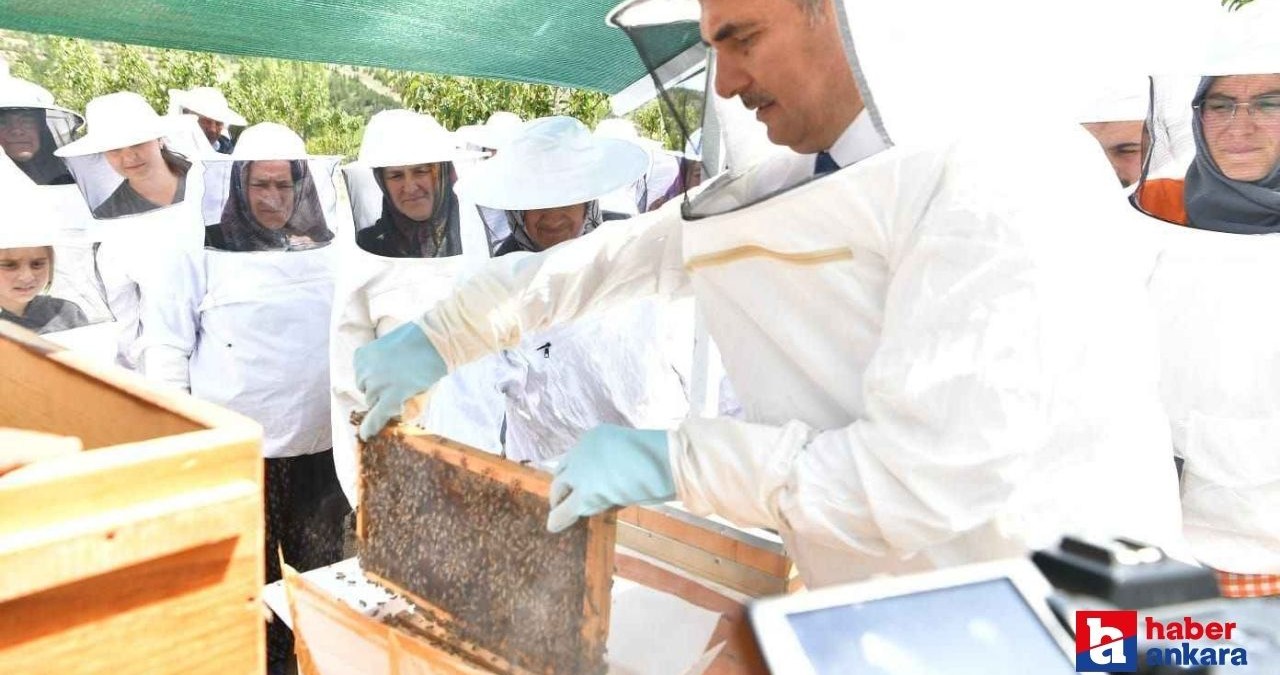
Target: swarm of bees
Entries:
(477, 549)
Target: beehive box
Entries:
(463, 534)
(142, 554)
(338, 632)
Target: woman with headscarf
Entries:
(619, 367)
(273, 206)
(1233, 183)
(32, 127)
(25, 135)
(539, 229)
(411, 242)
(419, 213)
(247, 327)
(1214, 164)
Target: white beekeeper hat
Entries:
(496, 133)
(554, 161)
(207, 102)
(116, 120)
(405, 138)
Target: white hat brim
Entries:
(93, 144)
(501, 184)
(488, 137)
(414, 158)
(222, 114)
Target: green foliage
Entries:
(655, 120)
(327, 105)
(455, 101)
(294, 94)
(72, 70)
(1233, 5)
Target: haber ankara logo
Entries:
(1107, 641)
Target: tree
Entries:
(327, 105)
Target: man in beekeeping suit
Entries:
(938, 359)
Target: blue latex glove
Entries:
(393, 369)
(610, 466)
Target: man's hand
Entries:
(610, 466)
(392, 370)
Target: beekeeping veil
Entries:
(1210, 167)
(920, 77)
(122, 123)
(1214, 156)
(270, 194)
(401, 188)
(32, 127)
(409, 241)
(47, 277)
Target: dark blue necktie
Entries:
(823, 164)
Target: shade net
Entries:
(565, 42)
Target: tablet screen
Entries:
(983, 627)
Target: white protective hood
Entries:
(376, 294)
(243, 329)
(69, 309)
(133, 254)
(626, 366)
(943, 352)
(1213, 293)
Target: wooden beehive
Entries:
(463, 534)
(142, 554)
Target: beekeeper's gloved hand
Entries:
(610, 466)
(393, 369)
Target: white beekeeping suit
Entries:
(32, 127)
(942, 350)
(625, 366)
(139, 232)
(245, 321)
(1213, 285)
(387, 276)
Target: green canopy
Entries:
(561, 42)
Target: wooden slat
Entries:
(416, 657)
(406, 654)
(598, 598)
(39, 495)
(141, 555)
(128, 392)
(196, 613)
(721, 570)
(715, 538)
(99, 542)
(39, 391)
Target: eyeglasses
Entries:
(1223, 110)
